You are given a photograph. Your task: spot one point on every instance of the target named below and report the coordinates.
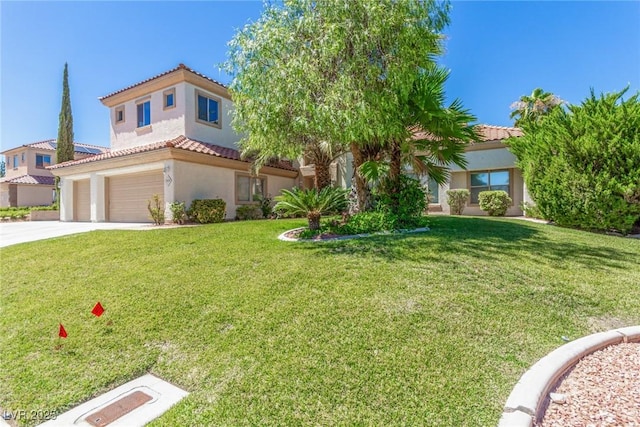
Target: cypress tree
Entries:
(65, 150)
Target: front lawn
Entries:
(422, 329)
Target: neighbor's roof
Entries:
(51, 144)
(497, 133)
(179, 67)
(487, 133)
(182, 143)
(30, 179)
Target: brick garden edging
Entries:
(527, 400)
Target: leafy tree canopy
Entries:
(533, 107)
(582, 164)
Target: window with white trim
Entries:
(169, 99)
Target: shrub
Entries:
(580, 164)
(457, 200)
(312, 203)
(156, 209)
(265, 204)
(178, 212)
(495, 203)
(247, 212)
(531, 210)
(207, 211)
(406, 203)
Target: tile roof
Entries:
(181, 142)
(487, 133)
(496, 133)
(30, 179)
(179, 67)
(50, 144)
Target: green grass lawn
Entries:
(423, 329)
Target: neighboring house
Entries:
(170, 135)
(490, 166)
(28, 182)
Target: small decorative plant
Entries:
(312, 203)
(457, 200)
(178, 212)
(495, 203)
(207, 211)
(156, 210)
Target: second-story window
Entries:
(169, 98)
(43, 160)
(208, 109)
(120, 114)
(144, 114)
(15, 161)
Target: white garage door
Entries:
(130, 194)
(81, 200)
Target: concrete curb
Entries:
(284, 238)
(529, 397)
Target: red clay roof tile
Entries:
(179, 67)
(181, 142)
(30, 179)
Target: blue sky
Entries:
(496, 51)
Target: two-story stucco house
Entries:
(27, 181)
(170, 135)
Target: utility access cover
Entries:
(117, 409)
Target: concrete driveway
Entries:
(12, 233)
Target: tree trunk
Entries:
(362, 189)
(395, 170)
(323, 175)
(314, 220)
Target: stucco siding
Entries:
(487, 159)
(193, 181)
(224, 136)
(165, 124)
(35, 195)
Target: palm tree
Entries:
(312, 203)
(531, 108)
(436, 136)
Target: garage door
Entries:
(81, 200)
(129, 195)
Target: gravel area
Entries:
(603, 389)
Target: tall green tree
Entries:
(3, 168)
(340, 71)
(582, 164)
(65, 149)
(533, 107)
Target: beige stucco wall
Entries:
(165, 124)
(224, 136)
(497, 158)
(35, 195)
(194, 181)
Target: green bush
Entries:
(581, 165)
(178, 212)
(531, 210)
(207, 211)
(247, 212)
(156, 209)
(495, 203)
(265, 204)
(405, 204)
(457, 200)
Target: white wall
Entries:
(165, 124)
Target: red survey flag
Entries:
(98, 310)
(62, 333)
